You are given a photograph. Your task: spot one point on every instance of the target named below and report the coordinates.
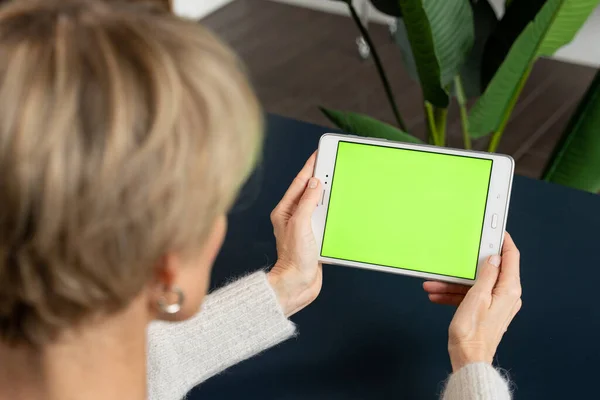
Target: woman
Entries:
(125, 134)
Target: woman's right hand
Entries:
(485, 310)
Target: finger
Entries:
(511, 258)
(447, 299)
(309, 200)
(488, 274)
(443, 287)
(292, 196)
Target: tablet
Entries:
(418, 210)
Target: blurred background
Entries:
(302, 54)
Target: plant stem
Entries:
(464, 116)
(441, 117)
(495, 140)
(380, 70)
(433, 136)
(497, 136)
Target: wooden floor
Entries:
(299, 59)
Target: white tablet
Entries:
(418, 210)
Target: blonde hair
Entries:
(124, 133)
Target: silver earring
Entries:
(173, 308)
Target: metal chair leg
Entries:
(364, 50)
(393, 27)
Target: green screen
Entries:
(407, 209)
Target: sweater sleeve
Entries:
(478, 381)
(235, 322)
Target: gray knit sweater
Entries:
(241, 320)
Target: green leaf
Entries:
(576, 161)
(514, 21)
(441, 36)
(554, 26)
(485, 21)
(362, 125)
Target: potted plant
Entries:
(458, 49)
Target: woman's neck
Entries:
(103, 360)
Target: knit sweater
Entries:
(241, 320)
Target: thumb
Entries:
(488, 274)
(309, 200)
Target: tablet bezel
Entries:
(498, 200)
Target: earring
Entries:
(174, 307)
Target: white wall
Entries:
(337, 7)
(197, 8)
(582, 50)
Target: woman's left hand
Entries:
(485, 310)
(297, 275)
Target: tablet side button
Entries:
(494, 221)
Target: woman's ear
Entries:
(179, 284)
(164, 294)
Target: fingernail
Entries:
(312, 183)
(495, 260)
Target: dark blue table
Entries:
(373, 335)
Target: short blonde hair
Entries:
(124, 133)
